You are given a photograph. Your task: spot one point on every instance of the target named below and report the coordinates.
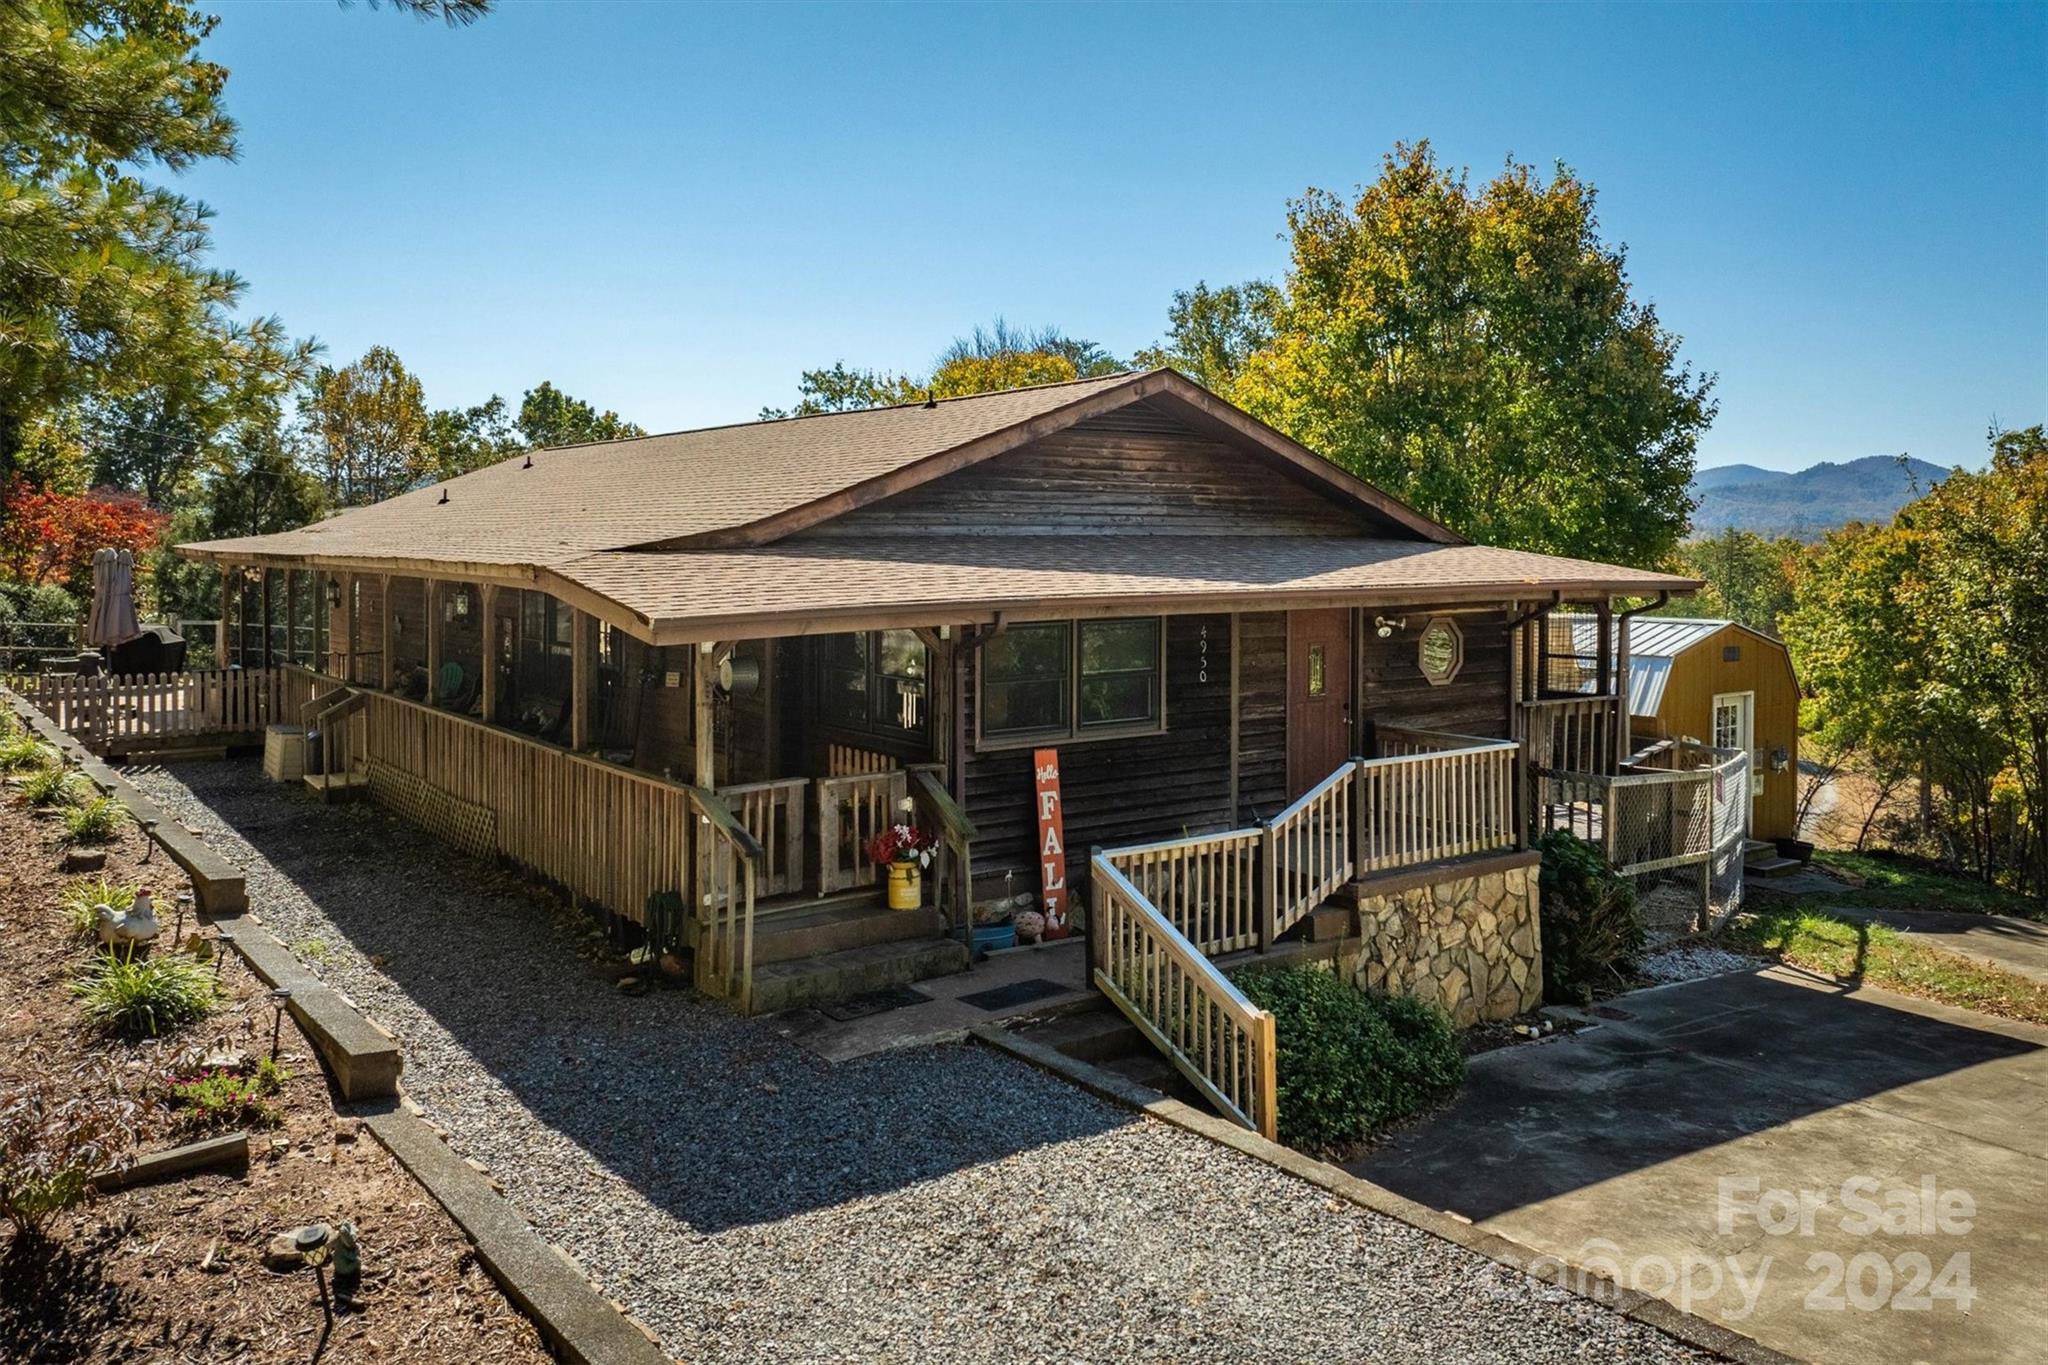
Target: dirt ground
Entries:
(174, 1271)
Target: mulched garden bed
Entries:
(174, 1270)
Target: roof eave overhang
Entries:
(962, 612)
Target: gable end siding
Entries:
(1136, 471)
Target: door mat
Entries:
(874, 1002)
(1016, 993)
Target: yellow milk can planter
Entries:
(906, 886)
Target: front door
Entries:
(1318, 696)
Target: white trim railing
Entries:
(1206, 886)
(1444, 796)
(1309, 850)
(1222, 1043)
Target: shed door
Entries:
(1318, 696)
(1735, 728)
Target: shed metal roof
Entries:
(1653, 643)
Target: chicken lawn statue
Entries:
(135, 925)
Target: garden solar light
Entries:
(227, 941)
(279, 998)
(149, 839)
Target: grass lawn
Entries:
(1896, 883)
(1820, 942)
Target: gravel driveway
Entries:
(753, 1203)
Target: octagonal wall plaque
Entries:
(1440, 652)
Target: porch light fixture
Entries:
(1385, 629)
(333, 594)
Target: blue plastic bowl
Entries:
(992, 937)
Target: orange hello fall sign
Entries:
(1052, 841)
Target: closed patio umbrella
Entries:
(113, 599)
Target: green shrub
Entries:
(56, 1132)
(1592, 935)
(51, 786)
(83, 898)
(210, 1101)
(133, 997)
(22, 752)
(1350, 1062)
(95, 822)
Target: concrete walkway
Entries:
(2018, 945)
(1645, 1144)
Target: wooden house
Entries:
(685, 676)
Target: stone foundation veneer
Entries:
(1466, 937)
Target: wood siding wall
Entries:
(1393, 690)
(1133, 472)
(1700, 674)
(1117, 791)
(1261, 716)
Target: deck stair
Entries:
(831, 950)
(1762, 859)
(1102, 1037)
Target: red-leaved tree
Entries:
(49, 537)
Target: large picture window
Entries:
(875, 683)
(1072, 680)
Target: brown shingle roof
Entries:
(610, 495)
(699, 594)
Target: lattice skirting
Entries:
(466, 825)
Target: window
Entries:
(874, 682)
(1071, 679)
(1440, 653)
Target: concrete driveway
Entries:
(1842, 1173)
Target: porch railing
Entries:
(1438, 796)
(149, 707)
(728, 880)
(1570, 734)
(953, 870)
(1207, 886)
(773, 812)
(852, 810)
(1308, 851)
(1182, 1003)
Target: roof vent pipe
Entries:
(444, 498)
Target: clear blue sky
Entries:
(670, 210)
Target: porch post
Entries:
(348, 640)
(230, 578)
(579, 679)
(384, 644)
(490, 664)
(263, 588)
(704, 675)
(432, 594)
(1624, 742)
(291, 616)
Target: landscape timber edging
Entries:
(578, 1322)
(217, 884)
(1688, 1328)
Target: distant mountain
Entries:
(1811, 501)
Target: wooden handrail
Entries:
(953, 820)
(1218, 1039)
(713, 808)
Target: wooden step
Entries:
(853, 971)
(337, 786)
(1096, 1034)
(792, 934)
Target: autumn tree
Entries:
(1749, 579)
(457, 440)
(48, 537)
(1476, 352)
(549, 417)
(368, 425)
(985, 360)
